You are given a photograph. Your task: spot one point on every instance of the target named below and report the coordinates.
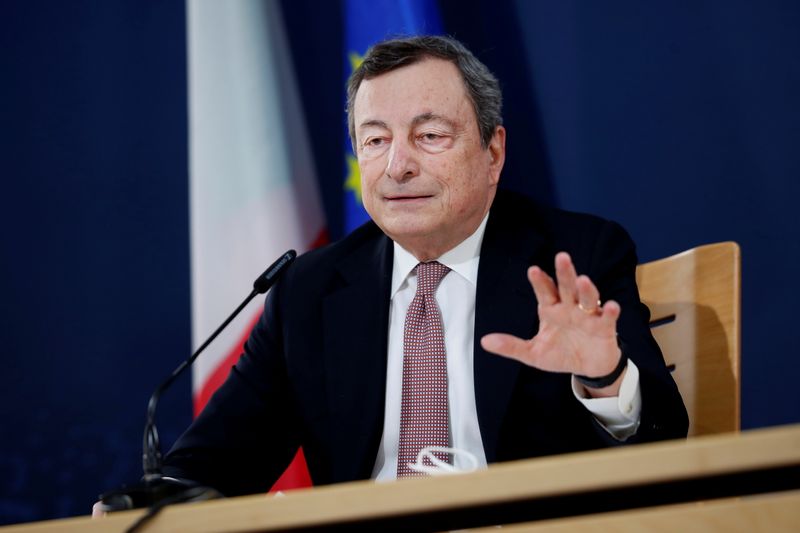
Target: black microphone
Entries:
(155, 488)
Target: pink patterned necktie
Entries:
(423, 410)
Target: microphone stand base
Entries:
(156, 491)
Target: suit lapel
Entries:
(355, 319)
(504, 303)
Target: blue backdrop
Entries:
(679, 120)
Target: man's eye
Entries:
(431, 137)
(373, 141)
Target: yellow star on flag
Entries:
(353, 181)
(355, 60)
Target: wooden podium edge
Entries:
(622, 467)
(776, 513)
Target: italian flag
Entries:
(253, 190)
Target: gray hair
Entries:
(482, 87)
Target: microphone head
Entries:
(266, 280)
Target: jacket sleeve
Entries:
(613, 269)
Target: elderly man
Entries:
(420, 328)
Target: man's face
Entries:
(425, 178)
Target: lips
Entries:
(407, 197)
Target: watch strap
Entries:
(604, 381)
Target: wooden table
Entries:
(738, 477)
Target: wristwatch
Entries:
(608, 379)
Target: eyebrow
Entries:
(432, 117)
(416, 121)
(373, 123)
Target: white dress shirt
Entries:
(456, 298)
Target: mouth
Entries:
(407, 198)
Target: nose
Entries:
(402, 163)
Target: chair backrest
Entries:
(694, 301)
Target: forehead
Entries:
(428, 86)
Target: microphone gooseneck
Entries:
(151, 447)
(155, 490)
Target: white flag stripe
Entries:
(252, 188)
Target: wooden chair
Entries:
(694, 300)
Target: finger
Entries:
(507, 345)
(611, 311)
(99, 510)
(588, 295)
(566, 277)
(543, 286)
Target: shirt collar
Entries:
(463, 259)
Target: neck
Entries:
(425, 250)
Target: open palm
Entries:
(576, 334)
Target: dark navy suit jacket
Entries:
(314, 369)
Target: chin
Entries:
(408, 227)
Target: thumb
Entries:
(506, 345)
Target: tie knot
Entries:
(429, 275)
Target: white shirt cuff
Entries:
(619, 415)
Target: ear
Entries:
(497, 153)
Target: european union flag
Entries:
(367, 22)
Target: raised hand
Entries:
(576, 333)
